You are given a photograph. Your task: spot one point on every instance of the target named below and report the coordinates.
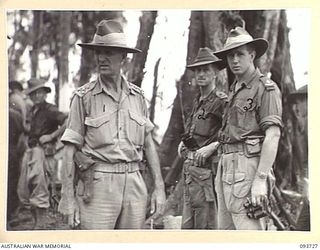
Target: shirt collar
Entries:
(247, 82)
(249, 79)
(209, 97)
(99, 88)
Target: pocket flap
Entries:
(97, 121)
(199, 173)
(237, 177)
(138, 118)
(240, 108)
(253, 141)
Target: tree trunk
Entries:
(147, 22)
(87, 58)
(63, 59)
(171, 138)
(36, 37)
(206, 30)
(154, 91)
(288, 153)
(20, 41)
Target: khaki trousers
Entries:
(233, 185)
(34, 180)
(119, 201)
(200, 202)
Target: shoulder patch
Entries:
(136, 89)
(81, 91)
(268, 83)
(221, 95)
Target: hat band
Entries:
(238, 39)
(112, 39)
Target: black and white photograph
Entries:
(158, 119)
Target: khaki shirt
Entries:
(253, 106)
(206, 118)
(105, 129)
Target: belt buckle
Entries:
(190, 155)
(126, 168)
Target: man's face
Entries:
(240, 59)
(38, 96)
(205, 74)
(109, 61)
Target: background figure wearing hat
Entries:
(20, 103)
(38, 164)
(299, 130)
(17, 127)
(17, 101)
(199, 144)
(108, 124)
(249, 135)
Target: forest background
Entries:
(273, 25)
(43, 44)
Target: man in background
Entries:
(199, 144)
(39, 168)
(16, 143)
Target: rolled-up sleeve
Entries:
(56, 115)
(74, 132)
(271, 109)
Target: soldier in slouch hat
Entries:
(249, 135)
(108, 131)
(199, 144)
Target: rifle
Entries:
(259, 211)
(172, 176)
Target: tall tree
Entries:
(154, 91)
(89, 21)
(36, 41)
(147, 22)
(20, 40)
(62, 58)
(205, 30)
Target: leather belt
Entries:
(191, 156)
(121, 167)
(232, 148)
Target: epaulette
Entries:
(268, 83)
(81, 91)
(221, 95)
(136, 89)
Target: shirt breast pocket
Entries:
(204, 124)
(98, 132)
(136, 131)
(246, 114)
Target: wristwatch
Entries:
(262, 175)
